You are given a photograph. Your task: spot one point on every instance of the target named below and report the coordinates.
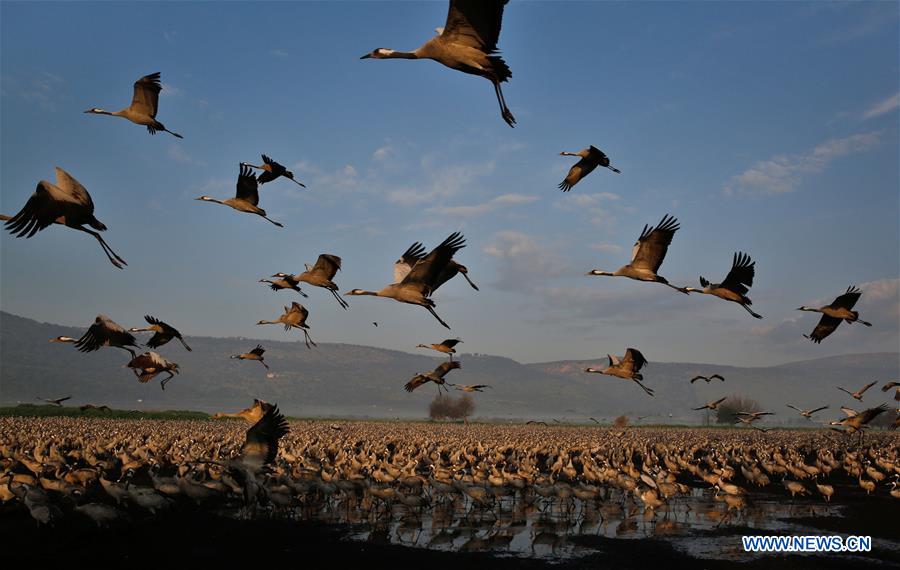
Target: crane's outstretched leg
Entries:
(308, 339)
(649, 391)
(113, 258)
(344, 304)
(302, 294)
(274, 222)
(431, 310)
(474, 286)
(504, 110)
(185, 344)
(165, 380)
(755, 316)
(860, 321)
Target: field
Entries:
(440, 494)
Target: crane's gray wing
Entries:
(146, 94)
(650, 249)
(474, 23)
(247, 186)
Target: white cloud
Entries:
(883, 107)
(781, 174)
(170, 90)
(523, 264)
(485, 207)
(383, 152)
(279, 53)
(443, 182)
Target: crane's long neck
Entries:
(394, 54)
(601, 272)
(811, 309)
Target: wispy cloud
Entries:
(523, 264)
(443, 182)
(485, 207)
(178, 154)
(170, 36)
(880, 304)
(606, 247)
(785, 173)
(382, 153)
(42, 88)
(279, 53)
(169, 90)
(882, 107)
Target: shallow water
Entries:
(698, 524)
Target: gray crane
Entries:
(144, 105)
(591, 158)
(467, 43)
(66, 203)
(736, 284)
(839, 310)
(422, 280)
(246, 196)
(648, 254)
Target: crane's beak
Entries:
(367, 56)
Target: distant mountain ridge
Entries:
(360, 381)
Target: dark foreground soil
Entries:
(198, 536)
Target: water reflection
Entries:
(700, 523)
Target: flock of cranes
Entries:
(467, 43)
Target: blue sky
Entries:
(770, 128)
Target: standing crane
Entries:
(736, 284)
(246, 196)
(66, 203)
(832, 315)
(627, 367)
(104, 332)
(294, 317)
(591, 158)
(648, 254)
(272, 170)
(163, 333)
(422, 280)
(467, 43)
(144, 105)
